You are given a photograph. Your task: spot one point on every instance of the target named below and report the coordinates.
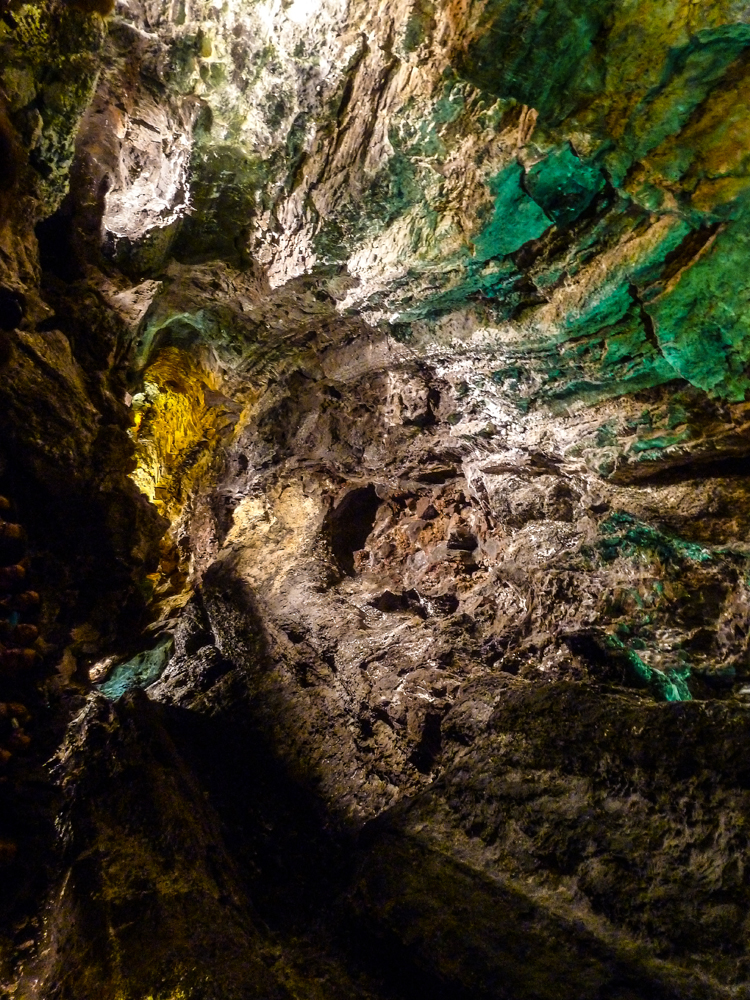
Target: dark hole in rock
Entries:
(388, 601)
(196, 641)
(103, 7)
(445, 604)
(11, 308)
(46, 325)
(410, 600)
(12, 542)
(10, 153)
(437, 476)
(305, 673)
(494, 649)
(242, 463)
(428, 749)
(56, 254)
(463, 539)
(702, 641)
(733, 466)
(350, 523)
(426, 509)
(588, 648)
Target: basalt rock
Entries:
(375, 569)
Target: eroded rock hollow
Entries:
(374, 500)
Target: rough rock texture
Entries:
(374, 393)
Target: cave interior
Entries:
(374, 500)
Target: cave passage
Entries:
(374, 500)
(351, 522)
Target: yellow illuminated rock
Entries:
(178, 419)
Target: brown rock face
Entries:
(412, 703)
(374, 529)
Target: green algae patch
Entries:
(50, 58)
(225, 185)
(180, 330)
(451, 103)
(497, 282)
(627, 342)
(604, 352)
(391, 193)
(420, 25)
(602, 314)
(652, 86)
(140, 671)
(652, 449)
(689, 74)
(516, 219)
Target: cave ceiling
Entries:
(374, 499)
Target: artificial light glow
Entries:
(302, 10)
(173, 426)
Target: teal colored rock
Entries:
(668, 685)
(563, 185)
(622, 535)
(703, 321)
(516, 218)
(142, 670)
(540, 54)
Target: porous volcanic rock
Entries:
(374, 399)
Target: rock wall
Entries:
(374, 395)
